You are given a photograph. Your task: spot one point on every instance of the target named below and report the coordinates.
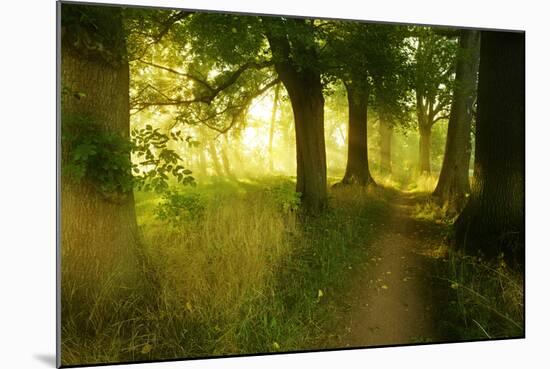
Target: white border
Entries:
(27, 185)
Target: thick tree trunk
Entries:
(386, 135)
(453, 184)
(493, 220)
(308, 107)
(304, 88)
(424, 150)
(101, 254)
(357, 168)
(272, 127)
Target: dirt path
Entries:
(396, 300)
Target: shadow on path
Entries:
(397, 299)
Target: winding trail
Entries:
(396, 299)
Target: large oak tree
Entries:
(100, 245)
(493, 220)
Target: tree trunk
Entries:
(202, 172)
(215, 159)
(424, 150)
(357, 168)
(304, 88)
(272, 127)
(225, 158)
(386, 134)
(101, 254)
(453, 184)
(493, 220)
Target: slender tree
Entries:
(434, 69)
(453, 184)
(385, 130)
(272, 125)
(493, 220)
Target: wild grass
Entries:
(430, 210)
(423, 184)
(486, 297)
(246, 274)
(489, 298)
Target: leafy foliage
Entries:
(94, 31)
(98, 156)
(103, 158)
(178, 207)
(158, 161)
(285, 197)
(434, 67)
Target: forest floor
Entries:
(396, 297)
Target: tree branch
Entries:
(182, 74)
(166, 25)
(214, 91)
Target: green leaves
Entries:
(158, 162)
(98, 156)
(177, 207)
(101, 157)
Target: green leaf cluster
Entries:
(177, 207)
(285, 197)
(96, 155)
(158, 162)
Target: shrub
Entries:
(177, 207)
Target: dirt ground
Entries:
(398, 298)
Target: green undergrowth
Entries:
(486, 298)
(239, 271)
(489, 298)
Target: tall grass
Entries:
(246, 274)
(489, 298)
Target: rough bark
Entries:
(453, 184)
(304, 88)
(101, 253)
(492, 222)
(386, 134)
(357, 167)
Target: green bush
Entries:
(285, 197)
(177, 207)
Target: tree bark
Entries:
(453, 184)
(357, 167)
(303, 84)
(101, 253)
(492, 222)
(386, 135)
(424, 150)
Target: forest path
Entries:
(397, 299)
